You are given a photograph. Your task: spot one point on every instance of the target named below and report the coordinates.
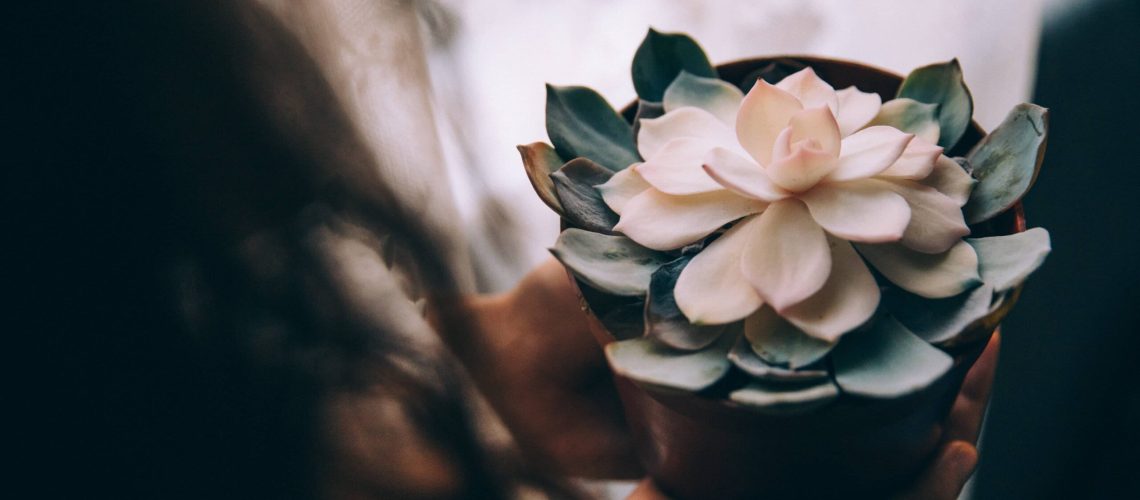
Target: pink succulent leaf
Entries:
(764, 113)
(846, 301)
(711, 289)
(787, 258)
(856, 109)
(664, 222)
(742, 176)
(869, 152)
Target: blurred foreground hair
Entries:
(191, 177)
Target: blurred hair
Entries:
(177, 205)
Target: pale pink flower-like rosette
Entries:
(811, 188)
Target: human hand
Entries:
(958, 456)
(532, 355)
(945, 477)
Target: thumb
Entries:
(947, 475)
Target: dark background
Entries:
(1065, 416)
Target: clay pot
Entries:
(705, 446)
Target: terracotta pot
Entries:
(705, 446)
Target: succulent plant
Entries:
(781, 243)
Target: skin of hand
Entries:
(531, 354)
(956, 459)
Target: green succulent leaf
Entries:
(887, 361)
(626, 321)
(540, 160)
(648, 361)
(911, 116)
(581, 123)
(938, 320)
(1007, 161)
(582, 204)
(1006, 261)
(784, 398)
(953, 182)
(645, 111)
(661, 57)
(612, 264)
(942, 84)
(714, 95)
(780, 343)
(746, 359)
(665, 322)
(1000, 300)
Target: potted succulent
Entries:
(792, 262)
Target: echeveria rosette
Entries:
(805, 177)
(809, 239)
